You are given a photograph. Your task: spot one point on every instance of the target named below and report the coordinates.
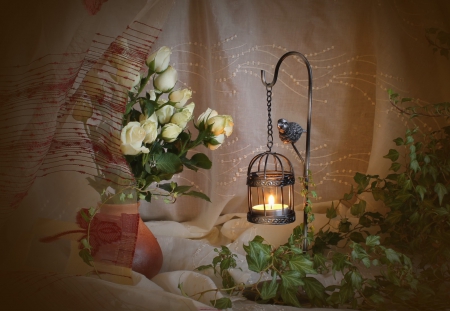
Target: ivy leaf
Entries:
(393, 155)
(222, 303)
(421, 190)
(357, 237)
(315, 290)
(414, 165)
(372, 240)
(291, 278)
(345, 293)
(356, 279)
(302, 264)
(289, 295)
(398, 141)
(441, 191)
(269, 289)
(395, 166)
(344, 225)
(331, 212)
(359, 208)
(258, 256)
(391, 255)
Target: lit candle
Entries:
(271, 206)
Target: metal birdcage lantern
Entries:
(270, 176)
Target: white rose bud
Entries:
(151, 130)
(158, 61)
(152, 94)
(143, 118)
(222, 124)
(180, 97)
(182, 117)
(216, 142)
(209, 113)
(190, 107)
(166, 81)
(170, 132)
(164, 114)
(131, 139)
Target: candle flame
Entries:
(271, 200)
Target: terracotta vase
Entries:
(148, 257)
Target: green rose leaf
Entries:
(198, 195)
(169, 163)
(86, 256)
(201, 160)
(204, 267)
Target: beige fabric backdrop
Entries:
(358, 50)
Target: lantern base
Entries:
(261, 219)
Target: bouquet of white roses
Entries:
(155, 137)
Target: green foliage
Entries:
(439, 41)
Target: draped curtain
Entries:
(358, 50)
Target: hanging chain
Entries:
(269, 120)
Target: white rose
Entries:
(166, 80)
(131, 139)
(221, 124)
(180, 97)
(170, 132)
(158, 61)
(209, 113)
(164, 114)
(216, 142)
(182, 117)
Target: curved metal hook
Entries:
(277, 68)
(308, 125)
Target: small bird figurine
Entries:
(289, 132)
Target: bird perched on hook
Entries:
(290, 132)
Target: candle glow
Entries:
(271, 206)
